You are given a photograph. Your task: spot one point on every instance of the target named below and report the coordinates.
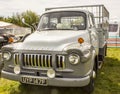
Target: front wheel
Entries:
(1, 67)
(90, 87)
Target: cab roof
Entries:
(70, 9)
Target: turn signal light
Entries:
(10, 40)
(80, 40)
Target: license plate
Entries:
(32, 80)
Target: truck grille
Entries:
(60, 61)
(39, 60)
(16, 59)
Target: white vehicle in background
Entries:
(114, 34)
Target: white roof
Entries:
(3, 24)
(68, 9)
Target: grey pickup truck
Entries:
(66, 50)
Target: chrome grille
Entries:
(60, 61)
(16, 58)
(37, 60)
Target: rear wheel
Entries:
(101, 61)
(100, 64)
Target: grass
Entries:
(107, 81)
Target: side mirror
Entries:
(35, 25)
(23, 20)
(31, 26)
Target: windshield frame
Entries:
(82, 14)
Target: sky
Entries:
(8, 7)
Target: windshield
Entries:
(66, 20)
(113, 27)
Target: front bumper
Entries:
(60, 82)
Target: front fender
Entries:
(93, 59)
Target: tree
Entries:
(1, 18)
(29, 16)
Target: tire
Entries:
(1, 67)
(101, 61)
(106, 50)
(23, 84)
(90, 87)
(100, 64)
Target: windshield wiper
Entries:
(48, 29)
(45, 29)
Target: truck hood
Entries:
(53, 40)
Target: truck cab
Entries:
(66, 50)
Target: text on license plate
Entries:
(31, 80)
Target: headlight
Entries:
(6, 55)
(74, 59)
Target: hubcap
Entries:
(100, 64)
